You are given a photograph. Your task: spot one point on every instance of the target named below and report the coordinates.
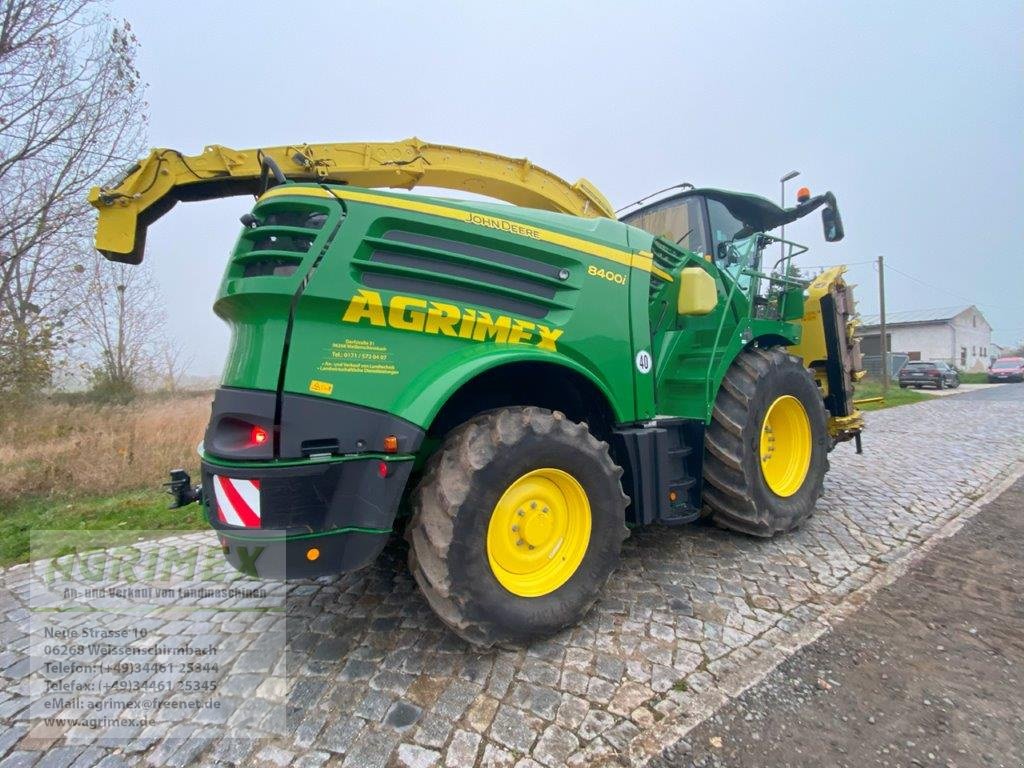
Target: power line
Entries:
(910, 277)
(943, 290)
(844, 264)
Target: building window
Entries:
(963, 355)
(973, 351)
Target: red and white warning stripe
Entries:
(238, 501)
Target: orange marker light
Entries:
(312, 554)
(390, 444)
(258, 436)
(803, 195)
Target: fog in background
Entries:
(911, 112)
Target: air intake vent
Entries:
(280, 240)
(410, 262)
(668, 258)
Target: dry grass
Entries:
(59, 450)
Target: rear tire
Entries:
(736, 488)
(481, 508)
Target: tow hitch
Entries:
(181, 489)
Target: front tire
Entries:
(517, 525)
(766, 449)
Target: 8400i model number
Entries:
(607, 274)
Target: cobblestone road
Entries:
(686, 620)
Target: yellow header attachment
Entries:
(830, 348)
(155, 184)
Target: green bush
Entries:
(110, 389)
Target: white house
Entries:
(960, 336)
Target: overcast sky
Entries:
(911, 112)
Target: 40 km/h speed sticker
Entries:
(643, 361)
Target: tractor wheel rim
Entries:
(785, 446)
(539, 532)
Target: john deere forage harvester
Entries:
(527, 385)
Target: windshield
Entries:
(921, 366)
(724, 226)
(1007, 364)
(678, 220)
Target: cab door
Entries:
(665, 370)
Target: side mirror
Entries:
(832, 223)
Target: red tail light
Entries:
(258, 436)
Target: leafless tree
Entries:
(120, 318)
(172, 363)
(72, 113)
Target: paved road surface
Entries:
(929, 673)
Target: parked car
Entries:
(921, 374)
(1007, 369)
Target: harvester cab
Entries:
(731, 229)
(514, 386)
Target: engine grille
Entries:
(278, 243)
(430, 265)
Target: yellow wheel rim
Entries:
(539, 532)
(785, 446)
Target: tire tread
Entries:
(444, 489)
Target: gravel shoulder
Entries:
(927, 674)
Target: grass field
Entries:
(88, 467)
(132, 510)
(896, 396)
(973, 378)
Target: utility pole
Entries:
(881, 326)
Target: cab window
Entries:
(724, 226)
(680, 220)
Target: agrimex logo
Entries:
(409, 313)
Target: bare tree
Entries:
(120, 317)
(173, 361)
(71, 114)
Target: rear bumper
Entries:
(316, 496)
(314, 518)
(274, 557)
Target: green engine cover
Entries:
(396, 301)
